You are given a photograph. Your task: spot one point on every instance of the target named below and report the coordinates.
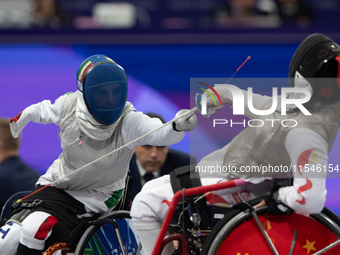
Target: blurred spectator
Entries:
(15, 175)
(50, 13)
(245, 13)
(149, 162)
(33, 13)
(298, 12)
(16, 13)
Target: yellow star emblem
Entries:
(267, 225)
(314, 157)
(309, 246)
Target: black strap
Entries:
(55, 202)
(58, 196)
(125, 201)
(187, 177)
(184, 177)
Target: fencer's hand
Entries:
(186, 123)
(275, 206)
(210, 106)
(262, 203)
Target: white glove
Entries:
(185, 124)
(211, 108)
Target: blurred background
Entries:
(162, 44)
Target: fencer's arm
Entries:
(258, 102)
(228, 95)
(308, 193)
(44, 112)
(136, 124)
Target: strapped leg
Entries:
(36, 228)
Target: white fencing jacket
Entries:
(80, 170)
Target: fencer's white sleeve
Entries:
(309, 156)
(137, 124)
(234, 96)
(258, 102)
(44, 112)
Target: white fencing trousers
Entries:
(150, 206)
(9, 238)
(32, 232)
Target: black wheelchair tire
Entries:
(234, 218)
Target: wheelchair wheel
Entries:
(238, 233)
(110, 234)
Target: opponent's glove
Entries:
(210, 106)
(275, 206)
(186, 123)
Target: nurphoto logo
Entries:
(238, 100)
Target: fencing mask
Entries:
(104, 86)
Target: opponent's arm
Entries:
(232, 95)
(309, 154)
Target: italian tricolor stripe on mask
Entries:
(109, 59)
(83, 68)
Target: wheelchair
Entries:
(240, 230)
(247, 230)
(239, 233)
(112, 233)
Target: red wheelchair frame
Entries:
(162, 241)
(189, 192)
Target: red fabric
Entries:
(304, 159)
(46, 227)
(166, 201)
(236, 198)
(325, 92)
(16, 118)
(337, 58)
(215, 199)
(303, 188)
(247, 239)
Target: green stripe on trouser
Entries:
(114, 199)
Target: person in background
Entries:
(15, 175)
(150, 162)
(50, 13)
(296, 12)
(244, 13)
